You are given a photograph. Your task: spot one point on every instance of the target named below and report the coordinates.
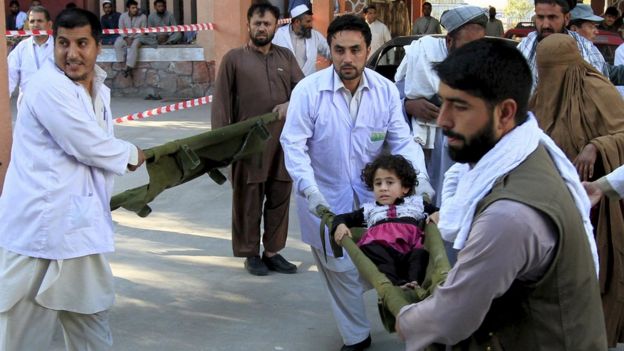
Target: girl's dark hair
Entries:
(395, 163)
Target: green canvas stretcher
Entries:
(182, 160)
(391, 298)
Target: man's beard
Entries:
(540, 33)
(475, 148)
(262, 42)
(356, 73)
(305, 33)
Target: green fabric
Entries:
(545, 315)
(180, 161)
(392, 298)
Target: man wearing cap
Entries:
(552, 16)
(380, 31)
(300, 38)
(427, 24)
(109, 20)
(31, 54)
(584, 22)
(464, 24)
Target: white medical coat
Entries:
(55, 201)
(23, 62)
(324, 147)
(316, 45)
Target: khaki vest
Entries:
(562, 311)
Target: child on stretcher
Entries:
(394, 238)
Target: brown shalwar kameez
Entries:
(248, 84)
(576, 106)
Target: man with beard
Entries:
(525, 278)
(339, 119)
(31, 54)
(419, 83)
(255, 79)
(55, 206)
(127, 45)
(160, 18)
(552, 16)
(304, 41)
(109, 20)
(427, 24)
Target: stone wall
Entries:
(171, 71)
(189, 79)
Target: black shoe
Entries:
(255, 266)
(279, 264)
(360, 346)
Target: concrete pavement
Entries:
(178, 286)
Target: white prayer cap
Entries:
(298, 10)
(454, 18)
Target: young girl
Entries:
(394, 240)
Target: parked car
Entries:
(605, 41)
(388, 57)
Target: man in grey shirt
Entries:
(130, 42)
(160, 18)
(525, 278)
(427, 24)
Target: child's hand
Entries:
(434, 217)
(340, 233)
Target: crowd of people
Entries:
(514, 152)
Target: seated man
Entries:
(159, 18)
(130, 42)
(109, 20)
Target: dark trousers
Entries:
(399, 268)
(252, 203)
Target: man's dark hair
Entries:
(160, 1)
(612, 11)
(262, 7)
(427, 3)
(490, 69)
(349, 22)
(40, 9)
(130, 3)
(71, 5)
(576, 22)
(14, 2)
(394, 163)
(370, 7)
(77, 17)
(566, 5)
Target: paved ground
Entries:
(178, 286)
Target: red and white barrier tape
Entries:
(164, 29)
(165, 109)
(283, 21)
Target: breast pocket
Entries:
(375, 141)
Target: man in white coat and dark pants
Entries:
(300, 38)
(31, 54)
(339, 119)
(56, 223)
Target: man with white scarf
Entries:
(525, 278)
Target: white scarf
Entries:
(464, 187)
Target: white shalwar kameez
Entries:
(314, 46)
(56, 222)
